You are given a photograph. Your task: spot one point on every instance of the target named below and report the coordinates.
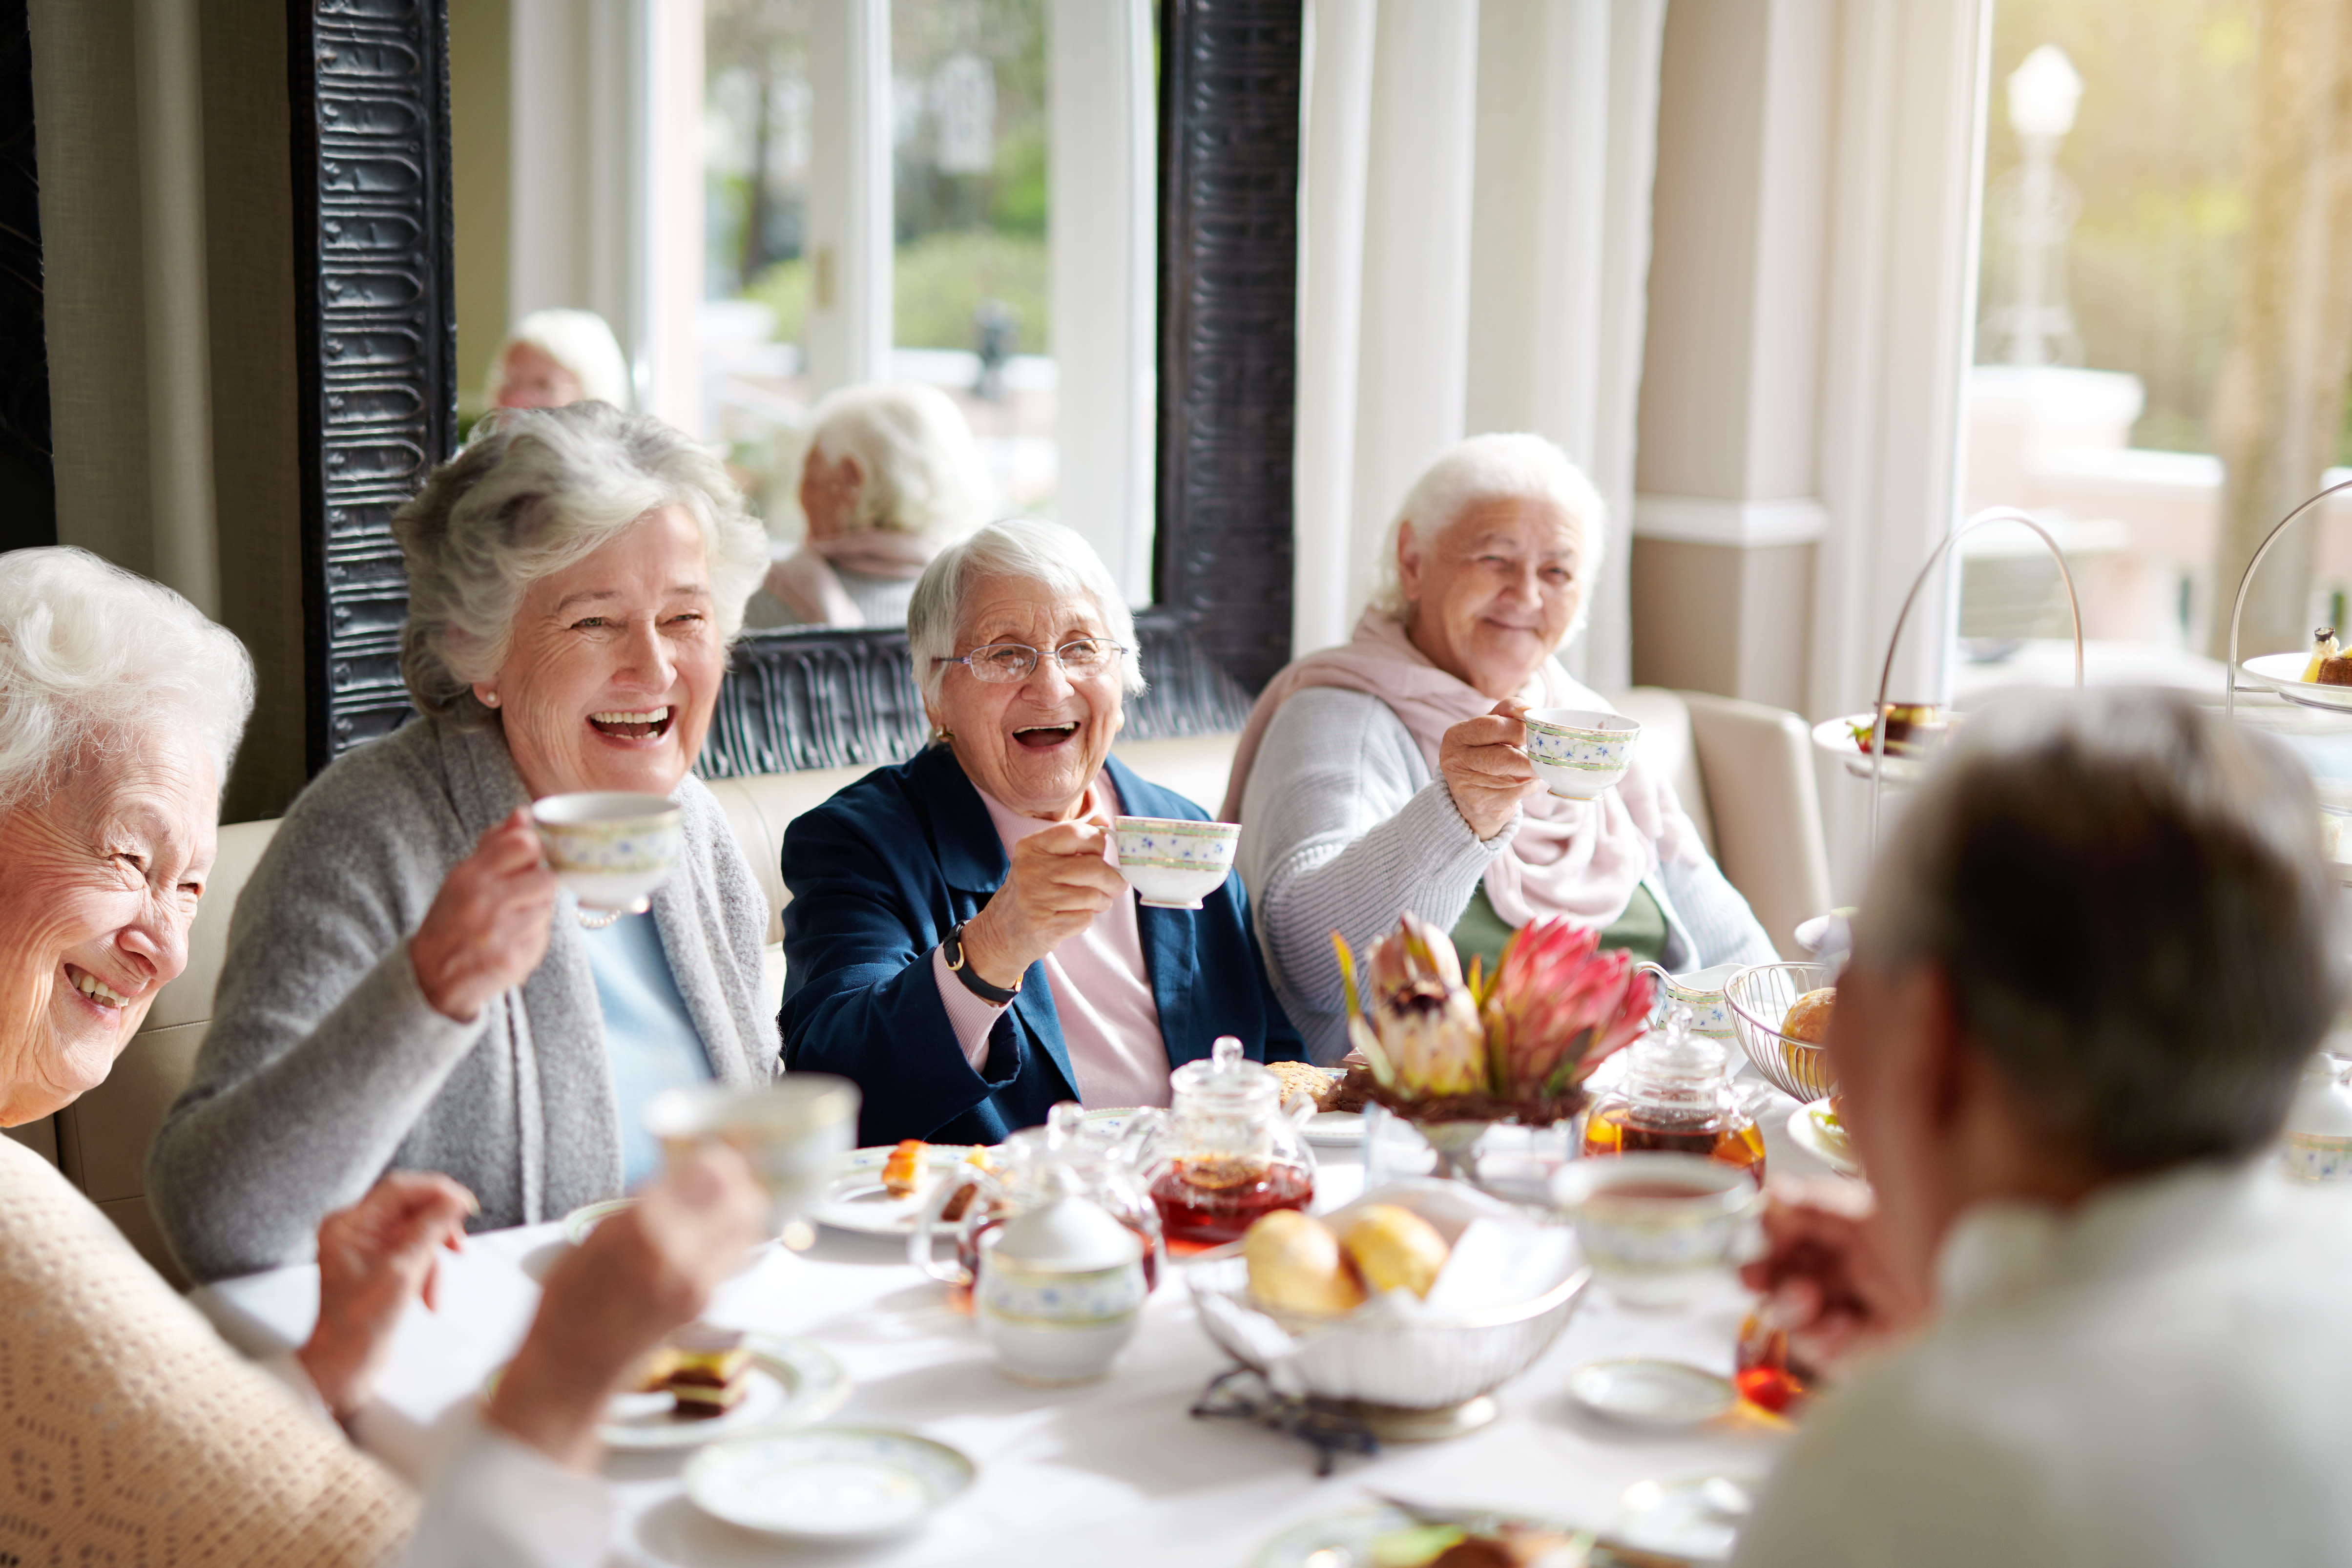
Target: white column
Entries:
(1103, 148)
(1334, 164)
(165, 38)
(849, 193)
(1413, 364)
(671, 224)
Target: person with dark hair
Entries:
(2093, 1324)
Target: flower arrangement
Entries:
(1517, 1047)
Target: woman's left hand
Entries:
(373, 1257)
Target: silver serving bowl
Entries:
(1760, 996)
(1428, 1378)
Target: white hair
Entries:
(535, 490)
(581, 342)
(92, 657)
(1030, 549)
(1497, 468)
(921, 471)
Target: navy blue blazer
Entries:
(881, 873)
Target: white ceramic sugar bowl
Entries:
(1060, 1290)
(2318, 1142)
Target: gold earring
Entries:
(942, 732)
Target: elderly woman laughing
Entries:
(403, 985)
(960, 943)
(1391, 773)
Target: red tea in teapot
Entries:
(1207, 1201)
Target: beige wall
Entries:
(481, 76)
(1725, 619)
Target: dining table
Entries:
(1114, 1472)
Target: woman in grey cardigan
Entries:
(1391, 773)
(405, 983)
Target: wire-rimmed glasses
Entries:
(1003, 662)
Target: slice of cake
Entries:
(712, 1372)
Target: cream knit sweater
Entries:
(131, 1435)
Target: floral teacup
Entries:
(612, 849)
(1173, 862)
(1577, 751)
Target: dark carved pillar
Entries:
(1228, 339)
(368, 83)
(28, 494)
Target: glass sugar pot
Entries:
(1678, 1095)
(1226, 1152)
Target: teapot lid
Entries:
(1069, 1232)
(1226, 1075)
(1675, 1056)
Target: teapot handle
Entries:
(922, 1248)
(1136, 1143)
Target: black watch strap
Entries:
(952, 951)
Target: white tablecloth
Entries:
(1114, 1473)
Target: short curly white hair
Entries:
(535, 490)
(1510, 467)
(1029, 548)
(922, 472)
(92, 657)
(581, 342)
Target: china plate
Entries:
(793, 1384)
(837, 1484)
(1350, 1538)
(1659, 1395)
(855, 1200)
(1810, 1131)
(1835, 736)
(1697, 1517)
(1335, 1129)
(2283, 673)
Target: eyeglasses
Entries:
(1003, 662)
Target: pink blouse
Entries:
(1111, 1024)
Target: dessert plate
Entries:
(1664, 1396)
(1814, 1129)
(1335, 1129)
(1696, 1517)
(1835, 736)
(836, 1485)
(580, 1222)
(855, 1200)
(1365, 1537)
(790, 1384)
(2283, 673)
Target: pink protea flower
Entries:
(1557, 1008)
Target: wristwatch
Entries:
(952, 951)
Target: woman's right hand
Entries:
(1483, 762)
(1061, 880)
(608, 1302)
(1827, 1279)
(486, 930)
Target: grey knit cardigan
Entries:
(325, 1066)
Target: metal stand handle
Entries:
(1886, 670)
(2230, 676)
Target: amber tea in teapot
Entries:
(1227, 1152)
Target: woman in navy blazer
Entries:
(939, 905)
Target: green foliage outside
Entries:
(940, 280)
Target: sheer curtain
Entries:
(1475, 220)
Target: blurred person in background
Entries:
(891, 477)
(556, 357)
(2090, 1322)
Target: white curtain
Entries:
(1475, 220)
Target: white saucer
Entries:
(1335, 1129)
(1835, 736)
(1831, 1149)
(1661, 1394)
(580, 1222)
(791, 1383)
(839, 1484)
(2283, 673)
(1694, 1517)
(855, 1200)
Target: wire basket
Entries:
(1760, 996)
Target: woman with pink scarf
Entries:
(891, 477)
(1391, 773)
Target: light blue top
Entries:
(649, 1038)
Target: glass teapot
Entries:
(1027, 1171)
(1226, 1152)
(1677, 1095)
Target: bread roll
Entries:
(1295, 1266)
(1394, 1247)
(1808, 1016)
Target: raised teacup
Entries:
(1577, 751)
(1658, 1227)
(796, 1132)
(1173, 862)
(614, 849)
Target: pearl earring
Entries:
(490, 699)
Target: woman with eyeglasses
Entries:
(960, 941)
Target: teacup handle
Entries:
(922, 1247)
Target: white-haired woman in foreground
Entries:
(405, 986)
(132, 1432)
(1391, 773)
(891, 475)
(960, 943)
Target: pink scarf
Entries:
(1581, 858)
(803, 582)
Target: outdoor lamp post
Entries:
(2037, 206)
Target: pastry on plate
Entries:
(712, 1372)
(1303, 1082)
(902, 1172)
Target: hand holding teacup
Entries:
(486, 929)
(1483, 762)
(1060, 880)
